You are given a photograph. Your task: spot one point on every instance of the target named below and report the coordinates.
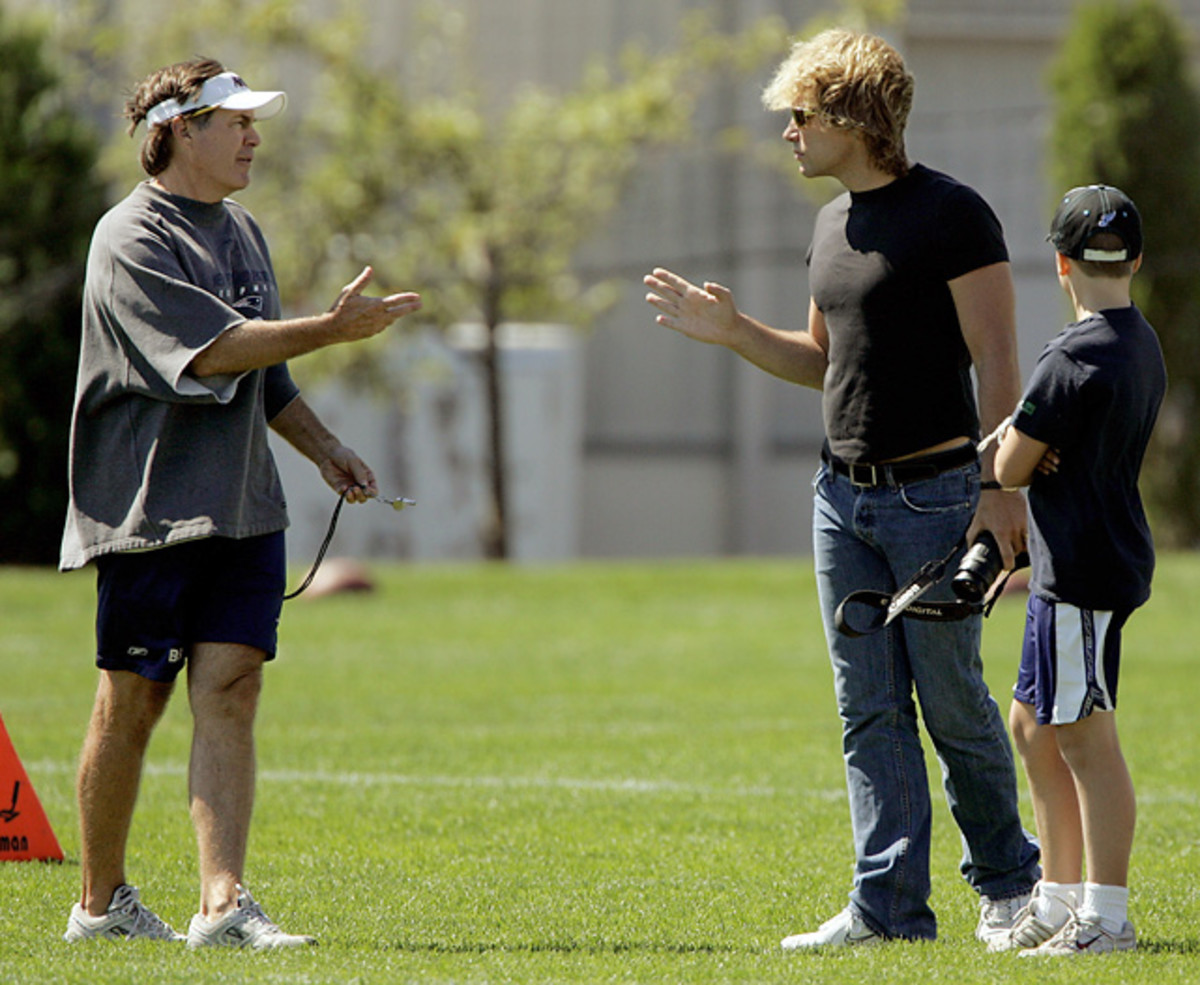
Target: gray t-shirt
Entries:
(159, 456)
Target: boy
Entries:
(1077, 440)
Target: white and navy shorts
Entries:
(1070, 661)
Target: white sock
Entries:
(1054, 902)
(1108, 904)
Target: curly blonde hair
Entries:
(853, 81)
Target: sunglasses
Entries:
(803, 117)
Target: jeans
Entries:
(877, 538)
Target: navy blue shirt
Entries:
(1094, 396)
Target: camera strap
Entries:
(881, 609)
(880, 604)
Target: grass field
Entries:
(586, 773)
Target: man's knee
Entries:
(225, 680)
(129, 704)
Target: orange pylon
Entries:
(25, 832)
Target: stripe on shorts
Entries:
(1081, 685)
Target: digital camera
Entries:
(980, 567)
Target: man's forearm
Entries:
(999, 393)
(299, 425)
(794, 356)
(258, 344)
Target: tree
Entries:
(1128, 114)
(50, 199)
(478, 200)
(492, 200)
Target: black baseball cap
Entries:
(1091, 209)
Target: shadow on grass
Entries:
(1189, 946)
(562, 947)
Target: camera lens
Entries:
(979, 568)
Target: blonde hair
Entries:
(853, 81)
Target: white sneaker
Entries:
(127, 917)
(1081, 936)
(845, 929)
(1028, 929)
(997, 916)
(244, 926)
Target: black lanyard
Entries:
(905, 601)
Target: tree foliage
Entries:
(405, 159)
(482, 204)
(1128, 114)
(50, 199)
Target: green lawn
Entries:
(585, 773)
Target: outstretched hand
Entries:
(706, 314)
(356, 316)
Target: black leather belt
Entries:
(898, 473)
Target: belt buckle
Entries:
(873, 471)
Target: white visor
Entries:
(224, 91)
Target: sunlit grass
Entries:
(594, 772)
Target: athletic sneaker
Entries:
(997, 916)
(845, 929)
(1082, 936)
(1028, 930)
(127, 917)
(244, 926)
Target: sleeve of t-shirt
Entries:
(970, 235)
(1050, 408)
(279, 390)
(160, 319)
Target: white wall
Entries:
(427, 440)
(681, 449)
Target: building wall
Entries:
(725, 452)
(686, 450)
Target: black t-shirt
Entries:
(899, 370)
(1094, 395)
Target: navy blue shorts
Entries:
(153, 606)
(1070, 661)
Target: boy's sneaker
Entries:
(847, 928)
(244, 926)
(998, 916)
(1028, 930)
(127, 917)
(1085, 937)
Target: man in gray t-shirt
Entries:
(174, 495)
